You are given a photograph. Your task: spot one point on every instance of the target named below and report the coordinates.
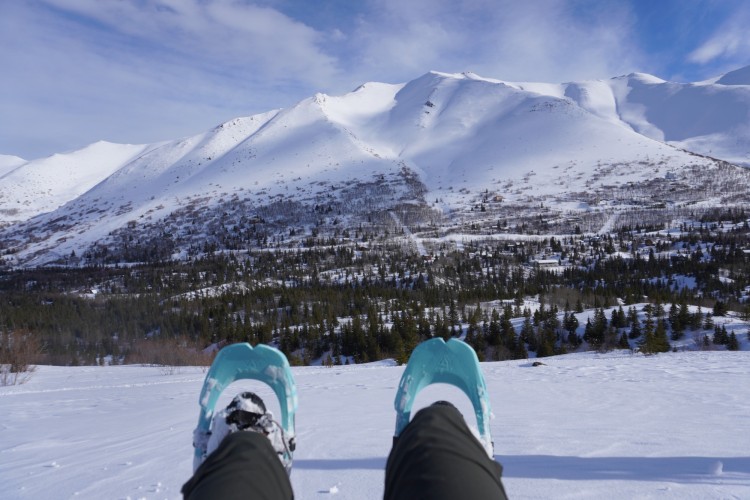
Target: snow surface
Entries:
(581, 426)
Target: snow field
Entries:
(581, 426)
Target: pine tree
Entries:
(632, 315)
(661, 344)
(527, 331)
(579, 306)
(544, 349)
(696, 320)
(570, 324)
(520, 351)
(635, 329)
(646, 343)
(494, 333)
(595, 332)
(618, 318)
(720, 308)
(708, 324)
(623, 342)
(720, 335)
(732, 343)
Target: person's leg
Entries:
(437, 457)
(244, 465)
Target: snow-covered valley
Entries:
(586, 425)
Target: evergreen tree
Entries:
(635, 329)
(708, 324)
(676, 321)
(544, 349)
(720, 335)
(495, 331)
(720, 308)
(696, 320)
(632, 315)
(570, 324)
(661, 344)
(623, 342)
(655, 337)
(732, 342)
(520, 351)
(618, 318)
(579, 306)
(595, 332)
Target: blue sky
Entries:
(138, 71)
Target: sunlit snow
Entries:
(580, 426)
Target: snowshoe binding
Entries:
(247, 413)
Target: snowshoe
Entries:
(247, 411)
(455, 363)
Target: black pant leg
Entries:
(437, 457)
(244, 466)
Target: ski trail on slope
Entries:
(609, 224)
(408, 233)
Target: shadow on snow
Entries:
(375, 463)
(708, 470)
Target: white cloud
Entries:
(226, 33)
(142, 71)
(552, 40)
(729, 43)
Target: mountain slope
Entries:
(31, 188)
(333, 162)
(8, 163)
(711, 118)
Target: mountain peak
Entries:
(465, 75)
(642, 78)
(10, 162)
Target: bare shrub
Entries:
(168, 354)
(18, 352)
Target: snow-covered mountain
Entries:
(710, 118)
(8, 163)
(457, 139)
(30, 188)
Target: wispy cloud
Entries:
(141, 71)
(226, 34)
(550, 40)
(729, 43)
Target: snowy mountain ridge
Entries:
(458, 139)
